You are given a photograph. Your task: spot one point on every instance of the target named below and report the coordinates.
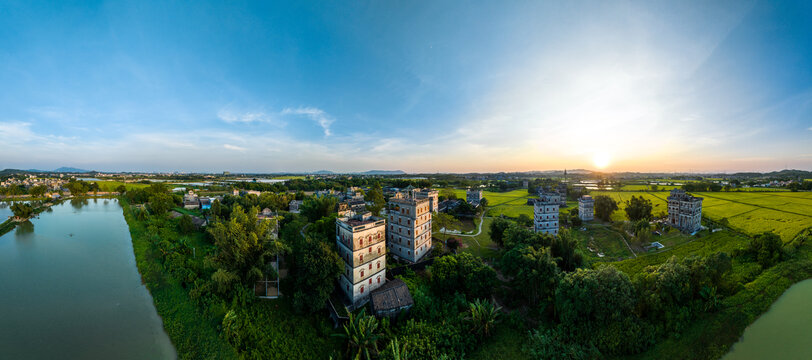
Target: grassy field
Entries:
(601, 239)
(109, 186)
(658, 202)
(784, 213)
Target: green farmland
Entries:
(785, 213)
(110, 186)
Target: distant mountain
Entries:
(384, 172)
(71, 170)
(323, 172)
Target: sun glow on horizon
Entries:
(601, 160)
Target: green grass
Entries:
(711, 336)
(506, 342)
(191, 331)
(658, 202)
(601, 239)
(722, 241)
(785, 214)
(110, 186)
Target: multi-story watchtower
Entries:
(545, 213)
(684, 211)
(409, 231)
(586, 208)
(361, 241)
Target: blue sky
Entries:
(418, 86)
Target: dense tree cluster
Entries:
(604, 207)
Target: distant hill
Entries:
(323, 172)
(71, 170)
(384, 172)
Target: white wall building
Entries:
(586, 208)
(361, 242)
(545, 213)
(409, 230)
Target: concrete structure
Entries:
(190, 201)
(361, 241)
(293, 206)
(473, 196)
(545, 213)
(432, 195)
(408, 235)
(586, 208)
(684, 211)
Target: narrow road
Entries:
(481, 220)
(302, 232)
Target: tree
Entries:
(121, 189)
(316, 268)
(533, 271)
(767, 249)
(575, 220)
(604, 207)
(525, 220)
(22, 210)
(453, 244)
(482, 315)
(37, 191)
(497, 230)
(316, 208)
(185, 224)
(483, 202)
(447, 194)
(361, 332)
(638, 208)
(462, 273)
(443, 221)
(654, 187)
(564, 250)
(375, 196)
(244, 248)
(160, 203)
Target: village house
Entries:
(190, 201)
(391, 299)
(432, 195)
(293, 206)
(361, 242)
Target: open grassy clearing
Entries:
(643, 187)
(751, 213)
(658, 202)
(109, 186)
(601, 239)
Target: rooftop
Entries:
(391, 296)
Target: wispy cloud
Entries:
(316, 114)
(235, 117)
(234, 147)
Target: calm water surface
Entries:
(783, 333)
(69, 289)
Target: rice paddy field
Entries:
(108, 186)
(784, 213)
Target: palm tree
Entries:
(360, 332)
(482, 316)
(398, 352)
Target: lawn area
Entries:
(703, 246)
(601, 239)
(644, 187)
(109, 186)
(480, 245)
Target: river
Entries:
(69, 289)
(783, 333)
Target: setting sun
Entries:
(601, 160)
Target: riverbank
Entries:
(11, 223)
(193, 334)
(711, 336)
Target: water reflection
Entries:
(24, 228)
(78, 203)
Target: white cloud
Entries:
(234, 147)
(316, 114)
(234, 117)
